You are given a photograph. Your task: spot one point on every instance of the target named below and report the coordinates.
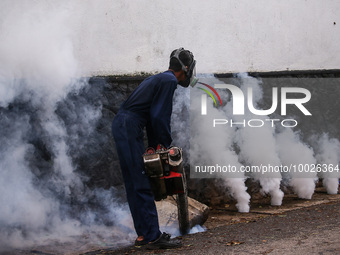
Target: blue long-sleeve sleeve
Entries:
(160, 115)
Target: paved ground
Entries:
(298, 227)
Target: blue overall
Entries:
(150, 106)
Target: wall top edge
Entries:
(273, 74)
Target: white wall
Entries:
(128, 36)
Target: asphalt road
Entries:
(296, 227)
(309, 229)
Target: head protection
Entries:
(190, 72)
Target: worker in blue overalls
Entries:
(150, 106)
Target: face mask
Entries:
(190, 72)
(191, 79)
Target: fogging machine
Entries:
(164, 167)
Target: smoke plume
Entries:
(44, 197)
(327, 152)
(241, 144)
(215, 146)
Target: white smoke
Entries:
(328, 157)
(37, 71)
(293, 151)
(257, 145)
(215, 146)
(35, 46)
(240, 144)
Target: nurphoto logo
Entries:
(238, 104)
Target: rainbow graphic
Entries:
(209, 93)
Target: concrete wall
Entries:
(123, 37)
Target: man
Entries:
(150, 106)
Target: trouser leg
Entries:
(130, 149)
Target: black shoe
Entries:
(140, 243)
(164, 242)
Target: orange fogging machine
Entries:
(165, 170)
